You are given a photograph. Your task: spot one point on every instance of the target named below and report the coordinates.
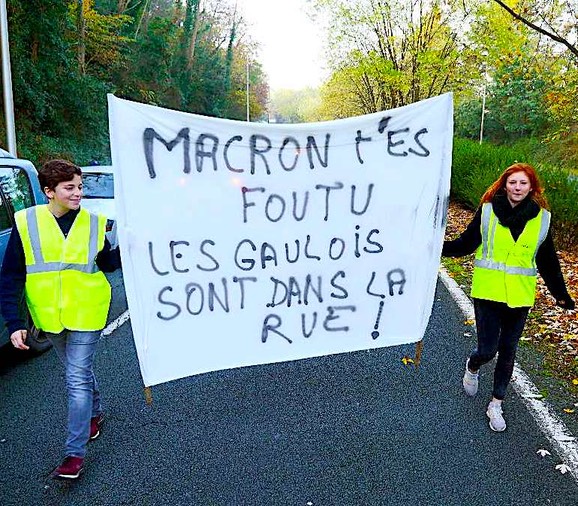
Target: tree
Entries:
(556, 20)
(67, 55)
(38, 50)
(340, 96)
(518, 100)
(100, 42)
(395, 54)
(81, 30)
(236, 107)
(295, 106)
(524, 82)
(558, 31)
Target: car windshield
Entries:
(98, 186)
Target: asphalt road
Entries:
(352, 429)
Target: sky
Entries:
(291, 46)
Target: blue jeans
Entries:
(499, 328)
(76, 351)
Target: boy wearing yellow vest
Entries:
(510, 235)
(56, 255)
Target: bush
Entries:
(41, 148)
(476, 166)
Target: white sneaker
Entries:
(470, 381)
(494, 412)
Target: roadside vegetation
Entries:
(189, 55)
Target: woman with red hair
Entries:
(511, 237)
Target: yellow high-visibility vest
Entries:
(64, 287)
(504, 269)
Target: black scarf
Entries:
(515, 218)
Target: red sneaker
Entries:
(70, 468)
(95, 425)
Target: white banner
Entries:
(249, 243)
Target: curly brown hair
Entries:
(536, 193)
(57, 171)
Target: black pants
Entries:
(499, 329)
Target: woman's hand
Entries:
(17, 338)
(566, 303)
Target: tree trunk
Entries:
(142, 19)
(81, 27)
(229, 57)
(196, 9)
(122, 6)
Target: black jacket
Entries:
(13, 272)
(515, 218)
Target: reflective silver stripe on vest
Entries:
(486, 214)
(41, 266)
(492, 233)
(93, 239)
(500, 266)
(488, 232)
(32, 221)
(544, 226)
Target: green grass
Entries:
(459, 272)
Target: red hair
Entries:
(536, 193)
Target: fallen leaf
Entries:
(469, 322)
(563, 468)
(568, 410)
(407, 360)
(575, 381)
(543, 452)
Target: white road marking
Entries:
(112, 326)
(550, 424)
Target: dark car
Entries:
(19, 188)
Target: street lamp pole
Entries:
(484, 54)
(483, 112)
(247, 90)
(7, 81)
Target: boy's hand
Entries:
(17, 338)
